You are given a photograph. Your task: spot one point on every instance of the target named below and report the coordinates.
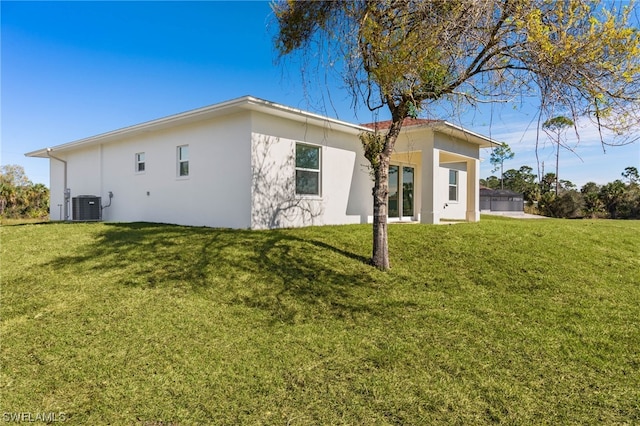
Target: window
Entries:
(183, 161)
(307, 170)
(140, 165)
(453, 185)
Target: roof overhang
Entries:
(458, 132)
(245, 103)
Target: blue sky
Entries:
(70, 70)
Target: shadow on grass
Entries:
(292, 278)
(24, 222)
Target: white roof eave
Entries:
(465, 134)
(447, 128)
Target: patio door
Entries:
(401, 189)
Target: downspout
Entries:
(67, 191)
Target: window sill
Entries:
(308, 197)
(403, 219)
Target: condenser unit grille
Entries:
(87, 207)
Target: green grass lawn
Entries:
(502, 321)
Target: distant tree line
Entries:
(619, 199)
(19, 197)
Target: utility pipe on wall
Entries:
(67, 191)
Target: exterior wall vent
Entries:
(87, 207)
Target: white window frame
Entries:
(401, 167)
(303, 169)
(139, 159)
(455, 185)
(180, 161)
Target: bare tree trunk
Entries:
(380, 257)
(557, 162)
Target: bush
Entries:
(569, 204)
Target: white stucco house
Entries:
(250, 163)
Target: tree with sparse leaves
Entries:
(407, 56)
(631, 174)
(499, 155)
(555, 127)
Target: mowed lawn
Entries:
(502, 321)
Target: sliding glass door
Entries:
(401, 190)
(407, 191)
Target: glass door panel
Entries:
(394, 187)
(407, 191)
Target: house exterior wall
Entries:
(457, 154)
(242, 170)
(433, 155)
(450, 209)
(449, 144)
(345, 195)
(216, 193)
(83, 172)
(56, 191)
